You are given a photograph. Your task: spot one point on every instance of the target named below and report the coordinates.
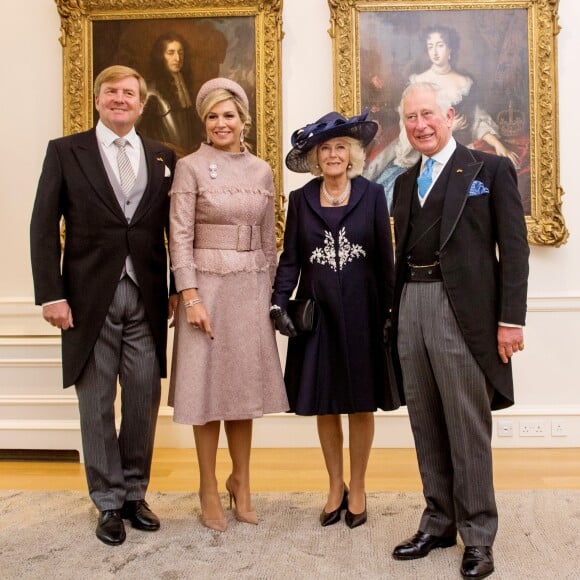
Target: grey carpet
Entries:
(51, 535)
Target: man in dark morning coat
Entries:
(460, 305)
(107, 290)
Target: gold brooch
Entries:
(460, 171)
(160, 159)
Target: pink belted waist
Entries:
(227, 237)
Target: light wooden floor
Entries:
(303, 470)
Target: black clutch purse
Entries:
(304, 314)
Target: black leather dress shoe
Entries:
(140, 516)
(420, 545)
(477, 562)
(110, 529)
(329, 518)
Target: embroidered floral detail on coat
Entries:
(347, 252)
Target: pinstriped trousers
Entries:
(118, 466)
(449, 409)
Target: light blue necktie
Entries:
(426, 178)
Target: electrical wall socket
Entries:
(559, 428)
(533, 428)
(505, 428)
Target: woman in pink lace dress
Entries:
(223, 252)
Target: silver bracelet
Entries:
(191, 303)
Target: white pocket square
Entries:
(167, 171)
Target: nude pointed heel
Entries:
(250, 517)
(218, 524)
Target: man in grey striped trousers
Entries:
(460, 306)
(108, 291)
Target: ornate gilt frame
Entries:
(545, 221)
(78, 16)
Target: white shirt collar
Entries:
(443, 156)
(106, 136)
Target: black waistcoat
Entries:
(422, 245)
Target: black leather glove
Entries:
(282, 322)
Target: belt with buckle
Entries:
(424, 272)
(241, 238)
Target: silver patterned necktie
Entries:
(126, 173)
(426, 178)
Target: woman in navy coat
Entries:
(338, 250)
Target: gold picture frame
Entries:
(240, 39)
(508, 46)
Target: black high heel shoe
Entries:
(355, 520)
(327, 519)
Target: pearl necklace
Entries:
(442, 70)
(335, 200)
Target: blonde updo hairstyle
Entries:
(356, 160)
(217, 96)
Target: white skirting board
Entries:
(288, 431)
(392, 429)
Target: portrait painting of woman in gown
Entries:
(475, 126)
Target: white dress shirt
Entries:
(106, 138)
